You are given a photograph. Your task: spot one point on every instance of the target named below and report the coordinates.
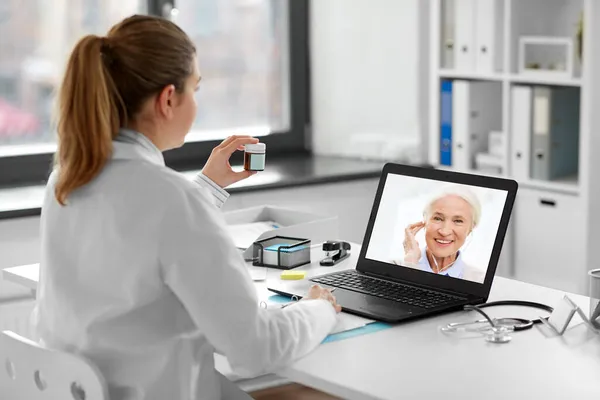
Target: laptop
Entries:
(432, 245)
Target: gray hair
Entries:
(462, 192)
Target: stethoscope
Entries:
(497, 330)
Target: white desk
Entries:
(416, 361)
(25, 275)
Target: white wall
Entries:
(369, 76)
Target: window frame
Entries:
(31, 169)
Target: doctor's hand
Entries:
(317, 292)
(218, 169)
(412, 252)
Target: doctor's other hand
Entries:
(218, 169)
(317, 292)
(412, 252)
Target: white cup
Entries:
(595, 297)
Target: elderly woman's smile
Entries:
(448, 223)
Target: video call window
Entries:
(437, 227)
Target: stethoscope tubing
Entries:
(524, 324)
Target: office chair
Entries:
(29, 371)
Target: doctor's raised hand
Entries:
(412, 252)
(218, 168)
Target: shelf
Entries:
(566, 185)
(543, 79)
(472, 171)
(449, 73)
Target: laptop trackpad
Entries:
(365, 304)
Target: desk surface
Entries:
(415, 360)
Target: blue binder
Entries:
(446, 123)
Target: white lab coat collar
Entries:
(132, 145)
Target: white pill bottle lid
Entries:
(256, 148)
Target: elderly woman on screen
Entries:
(448, 219)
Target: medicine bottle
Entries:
(254, 157)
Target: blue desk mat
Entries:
(369, 328)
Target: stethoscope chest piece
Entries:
(499, 334)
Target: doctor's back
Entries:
(138, 272)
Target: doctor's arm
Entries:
(207, 273)
(218, 174)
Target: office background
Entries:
(335, 88)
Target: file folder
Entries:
(520, 128)
(488, 35)
(555, 139)
(447, 31)
(476, 110)
(464, 46)
(446, 123)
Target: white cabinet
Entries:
(549, 241)
(553, 230)
(350, 201)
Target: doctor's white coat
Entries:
(138, 274)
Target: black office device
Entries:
(335, 251)
(432, 245)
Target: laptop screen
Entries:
(436, 227)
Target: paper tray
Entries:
(294, 223)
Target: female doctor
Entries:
(138, 272)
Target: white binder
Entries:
(464, 45)
(448, 28)
(460, 126)
(520, 130)
(488, 35)
(476, 111)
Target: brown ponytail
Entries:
(88, 117)
(105, 84)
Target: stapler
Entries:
(334, 252)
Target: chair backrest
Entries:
(29, 371)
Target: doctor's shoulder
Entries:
(177, 190)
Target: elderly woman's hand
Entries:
(412, 252)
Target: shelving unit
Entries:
(553, 230)
(544, 80)
(451, 74)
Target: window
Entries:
(242, 54)
(252, 56)
(35, 41)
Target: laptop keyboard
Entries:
(411, 295)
